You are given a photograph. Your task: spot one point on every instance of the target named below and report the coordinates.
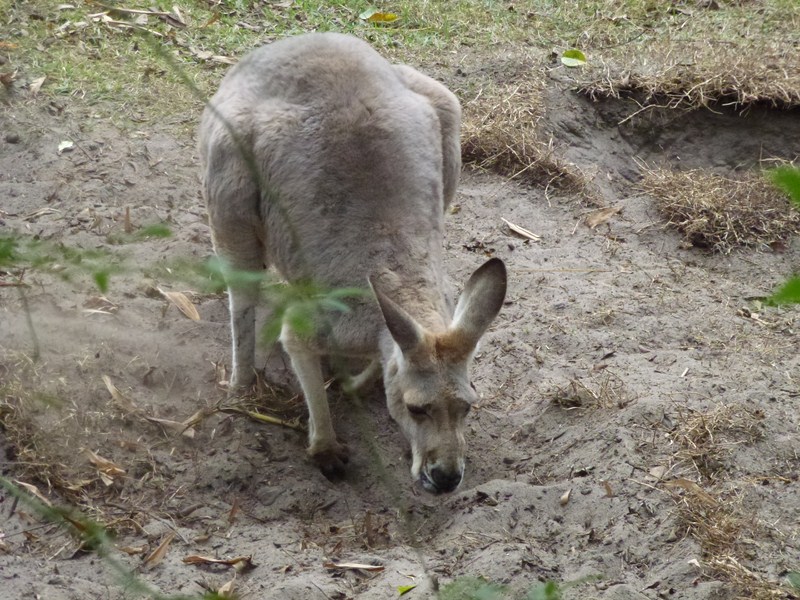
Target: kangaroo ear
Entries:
(404, 329)
(479, 303)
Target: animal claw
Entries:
(331, 461)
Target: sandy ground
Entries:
(638, 417)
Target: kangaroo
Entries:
(323, 160)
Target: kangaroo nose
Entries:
(445, 481)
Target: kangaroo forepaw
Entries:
(331, 460)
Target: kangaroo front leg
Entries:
(354, 383)
(323, 447)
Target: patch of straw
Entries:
(720, 527)
(607, 391)
(707, 438)
(30, 456)
(500, 133)
(717, 520)
(720, 213)
(698, 73)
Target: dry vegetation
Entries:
(707, 438)
(704, 75)
(722, 213)
(502, 133)
(712, 511)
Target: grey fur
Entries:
(325, 161)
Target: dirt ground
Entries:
(638, 417)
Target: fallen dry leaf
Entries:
(32, 489)
(224, 60)
(125, 403)
(521, 231)
(599, 217)
(99, 305)
(65, 146)
(214, 18)
(132, 550)
(353, 566)
(157, 555)
(35, 86)
(693, 488)
(376, 16)
(226, 591)
(176, 13)
(240, 563)
(108, 470)
(262, 418)
(182, 302)
(7, 78)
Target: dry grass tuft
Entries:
(717, 520)
(500, 133)
(707, 438)
(694, 74)
(607, 391)
(720, 213)
(26, 441)
(721, 528)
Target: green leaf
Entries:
(548, 590)
(404, 589)
(334, 305)
(8, 248)
(788, 180)
(471, 588)
(573, 58)
(789, 293)
(793, 578)
(159, 230)
(300, 318)
(351, 292)
(101, 280)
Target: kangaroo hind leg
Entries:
(232, 197)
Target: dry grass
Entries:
(707, 438)
(720, 213)
(501, 133)
(721, 527)
(694, 56)
(759, 76)
(725, 532)
(30, 445)
(717, 519)
(606, 391)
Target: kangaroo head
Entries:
(426, 376)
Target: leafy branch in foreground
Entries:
(21, 253)
(788, 180)
(301, 305)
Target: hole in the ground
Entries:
(607, 136)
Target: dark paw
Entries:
(331, 461)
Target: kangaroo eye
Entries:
(417, 411)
